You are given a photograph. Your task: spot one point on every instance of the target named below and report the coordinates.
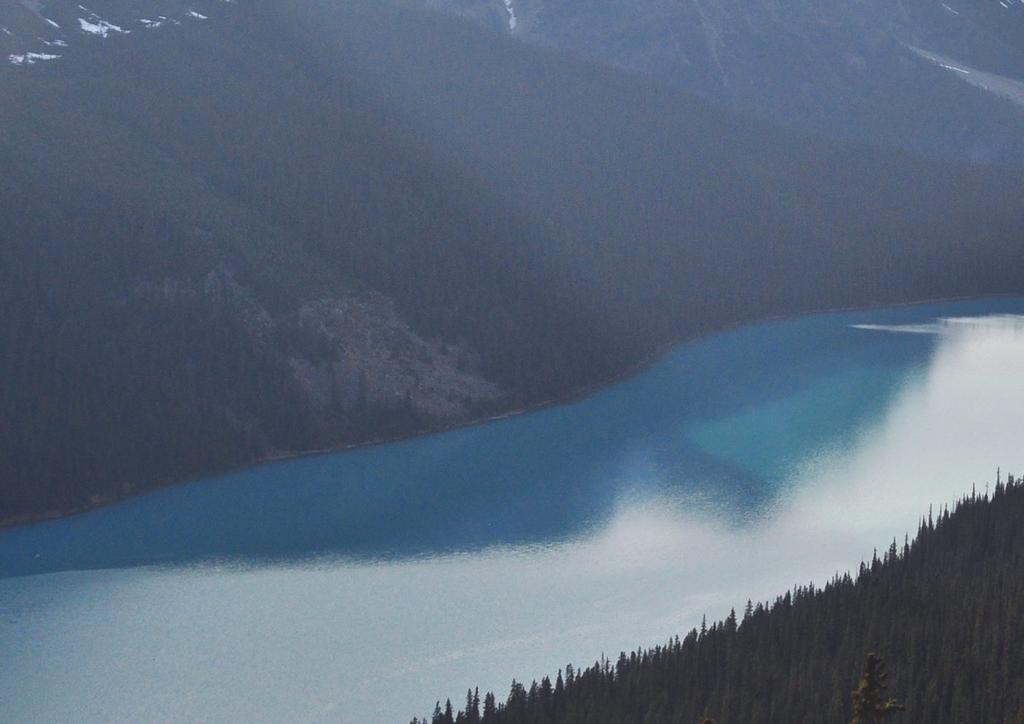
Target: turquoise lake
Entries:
(362, 586)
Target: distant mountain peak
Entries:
(833, 68)
(30, 30)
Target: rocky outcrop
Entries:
(348, 353)
(371, 357)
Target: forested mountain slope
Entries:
(288, 226)
(847, 69)
(946, 612)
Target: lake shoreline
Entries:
(571, 397)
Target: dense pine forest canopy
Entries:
(298, 225)
(945, 611)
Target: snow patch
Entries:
(955, 68)
(52, 23)
(950, 9)
(100, 27)
(31, 58)
(1010, 89)
(512, 19)
(197, 16)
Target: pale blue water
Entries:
(360, 586)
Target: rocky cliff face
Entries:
(371, 357)
(349, 354)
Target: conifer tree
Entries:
(868, 707)
(490, 708)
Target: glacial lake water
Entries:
(362, 586)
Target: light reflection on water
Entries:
(850, 430)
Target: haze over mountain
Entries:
(944, 77)
(235, 230)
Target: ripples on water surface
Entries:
(359, 587)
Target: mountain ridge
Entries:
(522, 225)
(842, 69)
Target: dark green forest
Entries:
(945, 612)
(188, 219)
